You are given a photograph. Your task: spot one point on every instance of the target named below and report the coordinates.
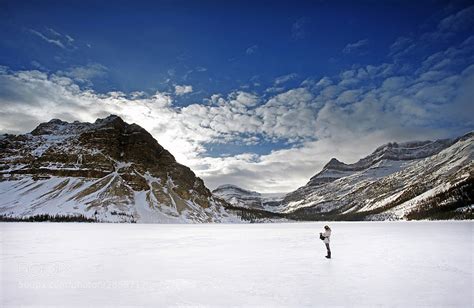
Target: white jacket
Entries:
(327, 235)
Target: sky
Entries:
(259, 94)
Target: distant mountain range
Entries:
(111, 171)
(412, 180)
(240, 197)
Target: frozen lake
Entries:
(403, 264)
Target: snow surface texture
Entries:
(395, 264)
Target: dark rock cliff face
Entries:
(114, 166)
(132, 143)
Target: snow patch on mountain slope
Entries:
(98, 199)
(405, 207)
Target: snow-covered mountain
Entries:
(240, 197)
(117, 172)
(413, 180)
(397, 181)
(105, 171)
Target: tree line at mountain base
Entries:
(454, 203)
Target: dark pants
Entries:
(329, 249)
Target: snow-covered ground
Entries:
(396, 264)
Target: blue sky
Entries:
(215, 45)
(255, 93)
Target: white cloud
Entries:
(460, 20)
(53, 32)
(400, 43)
(181, 90)
(274, 89)
(285, 78)
(38, 65)
(56, 42)
(245, 99)
(54, 37)
(348, 96)
(324, 82)
(355, 47)
(394, 83)
(251, 50)
(85, 74)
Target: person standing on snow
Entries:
(325, 238)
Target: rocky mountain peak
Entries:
(334, 163)
(57, 122)
(391, 151)
(57, 127)
(229, 188)
(104, 167)
(111, 121)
